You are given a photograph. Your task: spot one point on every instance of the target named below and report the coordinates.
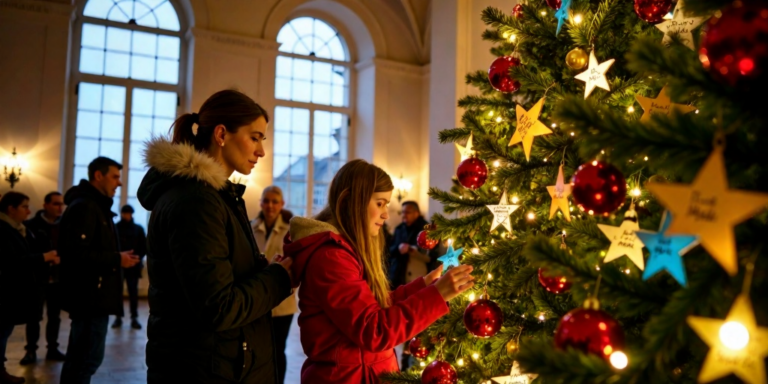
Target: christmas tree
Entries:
(611, 199)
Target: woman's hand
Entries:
(455, 281)
(286, 262)
(51, 257)
(433, 276)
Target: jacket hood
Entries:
(171, 164)
(306, 236)
(87, 191)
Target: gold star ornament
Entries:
(528, 126)
(594, 76)
(624, 240)
(501, 213)
(662, 104)
(466, 151)
(559, 194)
(680, 24)
(736, 345)
(709, 209)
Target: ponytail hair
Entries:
(230, 108)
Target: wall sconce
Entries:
(12, 166)
(402, 186)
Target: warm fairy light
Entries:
(545, 159)
(475, 251)
(531, 216)
(475, 355)
(498, 119)
(496, 163)
(422, 364)
(490, 113)
(460, 362)
(554, 125)
(471, 296)
(490, 277)
(591, 212)
(563, 232)
(494, 189)
(512, 37)
(573, 134)
(597, 267)
(543, 13)
(493, 242)
(570, 209)
(602, 151)
(645, 158)
(619, 360)
(636, 192)
(697, 111)
(627, 271)
(630, 109)
(515, 200)
(602, 253)
(450, 241)
(594, 163)
(577, 19)
(734, 335)
(541, 317)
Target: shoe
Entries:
(29, 358)
(55, 355)
(118, 322)
(135, 324)
(7, 378)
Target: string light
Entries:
(490, 277)
(697, 112)
(531, 216)
(734, 335)
(630, 109)
(543, 13)
(475, 355)
(490, 113)
(475, 251)
(636, 192)
(512, 37)
(450, 241)
(541, 317)
(554, 125)
(602, 151)
(627, 271)
(460, 362)
(515, 200)
(577, 19)
(494, 189)
(471, 296)
(597, 267)
(602, 253)
(492, 242)
(498, 119)
(594, 163)
(573, 134)
(591, 212)
(496, 163)
(422, 364)
(619, 360)
(645, 158)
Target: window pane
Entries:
(302, 69)
(280, 164)
(287, 38)
(116, 204)
(118, 39)
(337, 50)
(92, 61)
(114, 99)
(169, 47)
(143, 15)
(300, 90)
(112, 150)
(339, 96)
(141, 128)
(93, 36)
(117, 64)
(142, 68)
(323, 31)
(88, 124)
(140, 215)
(299, 145)
(282, 144)
(81, 172)
(166, 17)
(317, 45)
(339, 75)
(89, 96)
(321, 94)
(112, 126)
(161, 125)
(144, 43)
(167, 71)
(284, 66)
(85, 151)
(283, 89)
(134, 180)
(143, 102)
(323, 123)
(303, 26)
(98, 8)
(321, 72)
(165, 104)
(300, 120)
(282, 118)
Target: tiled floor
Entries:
(124, 358)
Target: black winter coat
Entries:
(20, 299)
(398, 263)
(90, 272)
(211, 292)
(132, 237)
(47, 238)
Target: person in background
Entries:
(269, 229)
(350, 320)
(132, 237)
(45, 228)
(19, 292)
(91, 268)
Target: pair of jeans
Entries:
(282, 325)
(5, 334)
(53, 313)
(132, 284)
(85, 351)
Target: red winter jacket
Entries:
(347, 336)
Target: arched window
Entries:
(127, 76)
(312, 113)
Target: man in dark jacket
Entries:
(45, 228)
(131, 237)
(404, 255)
(91, 268)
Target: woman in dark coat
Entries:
(211, 291)
(20, 298)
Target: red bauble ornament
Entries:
(598, 187)
(498, 74)
(439, 372)
(483, 318)
(554, 4)
(517, 11)
(734, 48)
(425, 242)
(591, 331)
(554, 284)
(472, 173)
(652, 11)
(418, 350)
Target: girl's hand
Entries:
(434, 275)
(455, 281)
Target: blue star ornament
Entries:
(666, 251)
(451, 258)
(562, 14)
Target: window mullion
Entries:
(126, 146)
(311, 163)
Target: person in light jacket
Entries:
(350, 321)
(269, 229)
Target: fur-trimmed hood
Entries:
(171, 164)
(302, 227)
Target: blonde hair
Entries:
(273, 189)
(348, 198)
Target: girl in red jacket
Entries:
(350, 322)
